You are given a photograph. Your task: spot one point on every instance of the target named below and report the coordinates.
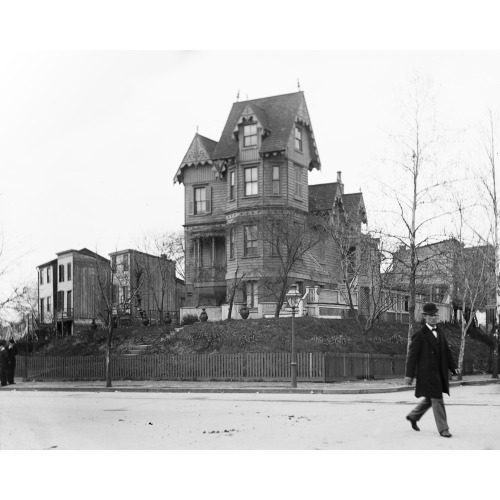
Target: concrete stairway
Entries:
(136, 349)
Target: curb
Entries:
(240, 390)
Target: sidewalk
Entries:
(271, 387)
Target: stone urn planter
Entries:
(167, 319)
(203, 316)
(93, 325)
(145, 321)
(244, 312)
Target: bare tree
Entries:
(474, 278)
(160, 273)
(363, 262)
(488, 181)
(10, 295)
(289, 235)
(416, 198)
(109, 308)
(232, 288)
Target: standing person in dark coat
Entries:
(429, 359)
(4, 363)
(12, 350)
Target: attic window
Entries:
(250, 135)
(298, 138)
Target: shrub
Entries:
(189, 319)
(206, 339)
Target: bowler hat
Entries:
(430, 308)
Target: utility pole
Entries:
(494, 361)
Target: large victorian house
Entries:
(257, 171)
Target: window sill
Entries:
(299, 151)
(245, 196)
(250, 256)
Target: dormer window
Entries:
(298, 138)
(250, 135)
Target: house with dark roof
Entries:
(259, 166)
(68, 291)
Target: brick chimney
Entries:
(339, 181)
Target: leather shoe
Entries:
(445, 434)
(413, 423)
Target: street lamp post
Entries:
(293, 299)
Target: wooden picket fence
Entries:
(315, 366)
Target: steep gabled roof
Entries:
(277, 115)
(354, 206)
(200, 152)
(322, 196)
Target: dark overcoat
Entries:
(12, 351)
(4, 359)
(429, 361)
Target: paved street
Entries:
(171, 421)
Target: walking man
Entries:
(4, 363)
(12, 350)
(429, 359)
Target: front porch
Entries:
(316, 302)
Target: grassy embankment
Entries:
(263, 335)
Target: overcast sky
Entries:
(90, 141)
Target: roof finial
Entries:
(197, 129)
(238, 95)
(298, 84)
(247, 97)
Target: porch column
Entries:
(213, 251)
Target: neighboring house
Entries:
(438, 276)
(68, 291)
(259, 166)
(47, 291)
(144, 286)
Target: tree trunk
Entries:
(108, 353)
(280, 301)
(464, 328)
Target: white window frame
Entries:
(298, 138)
(202, 207)
(250, 135)
(276, 179)
(250, 245)
(232, 176)
(231, 243)
(251, 295)
(251, 181)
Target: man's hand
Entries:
(408, 381)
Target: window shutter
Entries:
(209, 199)
(190, 207)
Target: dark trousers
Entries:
(438, 409)
(10, 373)
(3, 375)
